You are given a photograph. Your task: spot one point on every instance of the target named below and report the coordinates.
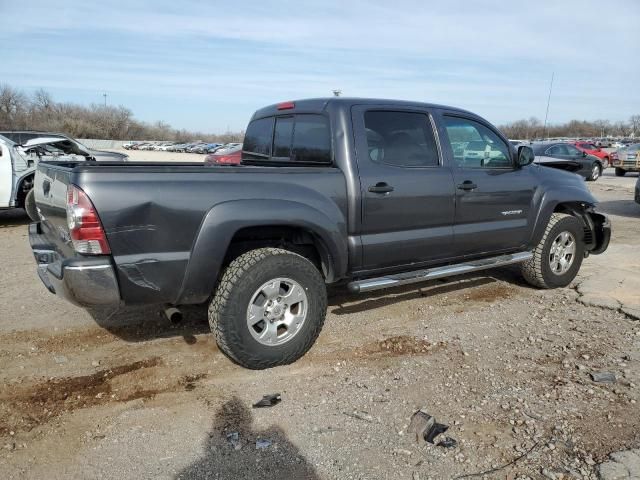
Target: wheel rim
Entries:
(277, 311)
(596, 172)
(562, 253)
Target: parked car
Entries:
(20, 137)
(637, 190)
(229, 156)
(568, 157)
(627, 160)
(16, 178)
(318, 205)
(591, 149)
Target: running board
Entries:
(406, 278)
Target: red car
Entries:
(591, 149)
(225, 156)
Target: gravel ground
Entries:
(126, 394)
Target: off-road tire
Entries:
(537, 271)
(620, 172)
(228, 308)
(30, 206)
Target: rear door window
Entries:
(402, 139)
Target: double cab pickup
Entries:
(360, 193)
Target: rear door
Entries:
(493, 196)
(406, 191)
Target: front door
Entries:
(406, 191)
(493, 196)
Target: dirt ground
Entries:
(118, 394)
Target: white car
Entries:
(16, 178)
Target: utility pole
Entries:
(546, 115)
(105, 99)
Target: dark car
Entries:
(21, 137)
(637, 191)
(566, 156)
(362, 193)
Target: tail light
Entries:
(224, 159)
(87, 234)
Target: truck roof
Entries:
(318, 105)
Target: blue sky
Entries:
(207, 65)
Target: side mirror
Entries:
(525, 156)
(584, 154)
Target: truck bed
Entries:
(155, 216)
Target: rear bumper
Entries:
(84, 281)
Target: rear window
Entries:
(296, 139)
(257, 140)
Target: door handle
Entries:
(467, 186)
(381, 187)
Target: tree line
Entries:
(38, 111)
(534, 128)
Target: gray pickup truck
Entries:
(363, 193)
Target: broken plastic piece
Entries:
(447, 442)
(234, 440)
(268, 401)
(603, 377)
(421, 423)
(435, 430)
(262, 443)
(425, 427)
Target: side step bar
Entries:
(395, 280)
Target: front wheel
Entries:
(596, 171)
(558, 256)
(620, 172)
(269, 308)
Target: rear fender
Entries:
(225, 219)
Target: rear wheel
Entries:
(620, 172)
(269, 308)
(558, 256)
(596, 171)
(30, 206)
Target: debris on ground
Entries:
(263, 443)
(603, 377)
(425, 427)
(234, 440)
(447, 442)
(268, 401)
(421, 423)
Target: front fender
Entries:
(570, 195)
(225, 219)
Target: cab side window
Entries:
(476, 146)
(402, 139)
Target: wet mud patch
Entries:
(402, 345)
(25, 407)
(490, 293)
